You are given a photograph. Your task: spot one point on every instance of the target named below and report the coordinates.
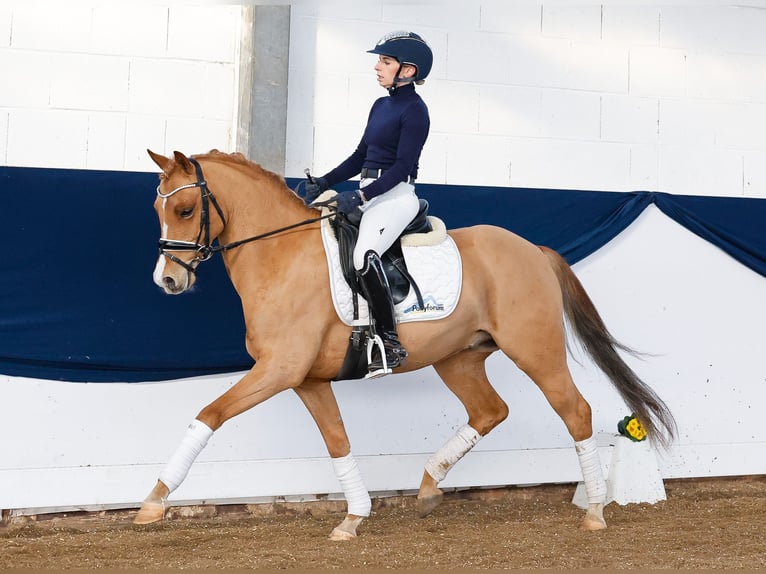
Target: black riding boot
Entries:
(378, 294)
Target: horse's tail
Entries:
(649, 408)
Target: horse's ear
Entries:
(183, 162)
(163, 162)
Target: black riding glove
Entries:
(348, 201)
(314, 188)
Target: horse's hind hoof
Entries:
(150, 512)
(427, 504)
(594, 518)
(591, 523)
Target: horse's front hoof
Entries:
(346, 530)
(338, 534)
(594, 518)
(427, 504)
(150, 512)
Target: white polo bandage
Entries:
(590, 463)
(178, 466)
(453, 450)
(357, 497)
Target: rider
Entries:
(387, 158)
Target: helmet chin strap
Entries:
(399, 80)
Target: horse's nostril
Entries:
(170, 283)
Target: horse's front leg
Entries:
(320, 401)
(258, 385)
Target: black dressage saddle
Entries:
(346, 228)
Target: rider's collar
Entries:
(395, 89)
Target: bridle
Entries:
(205, 249)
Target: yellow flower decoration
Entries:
(631, 428)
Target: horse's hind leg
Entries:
(550, 372)
(320, 401)
(465, 376)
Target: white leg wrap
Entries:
(453, 450)
(178, 466)
(590, 463)
(357, 497)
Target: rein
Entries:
(206, 250)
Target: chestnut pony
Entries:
(514, 298)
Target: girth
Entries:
(399, 279)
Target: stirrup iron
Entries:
(372, 342)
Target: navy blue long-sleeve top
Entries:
(396, 131)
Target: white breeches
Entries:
(384, 218)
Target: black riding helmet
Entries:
(408, 48)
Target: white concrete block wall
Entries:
(617, 96)
(94, 86)
(611, 96)
(3, 133)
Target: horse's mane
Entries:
(240, 159)
(256, 170)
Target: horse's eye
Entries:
(186, 212)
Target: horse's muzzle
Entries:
(174, 280)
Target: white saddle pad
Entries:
(432, 259)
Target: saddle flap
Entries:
(433, 261)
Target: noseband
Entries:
(205, 250)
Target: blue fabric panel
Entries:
(77, 301)
(574, 223)
(736, 225)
